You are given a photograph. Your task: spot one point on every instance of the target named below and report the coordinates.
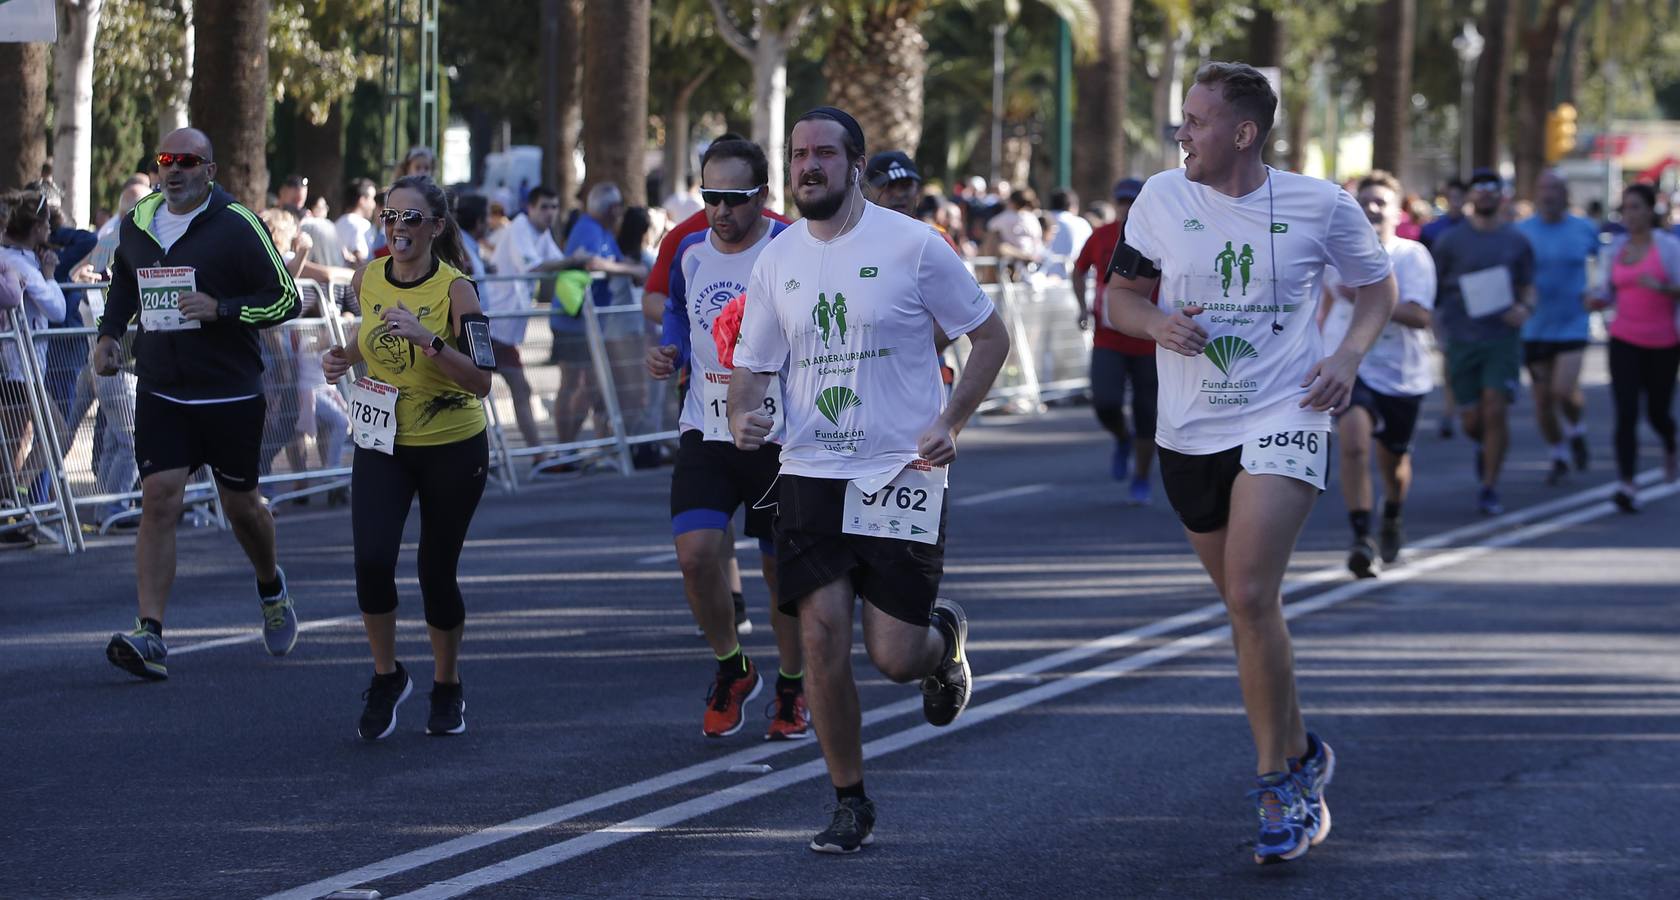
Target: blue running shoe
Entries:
(139, 653)
(1141, 494)
(1283, 819)
(280, 621)
(1313, 773)
(1121, 465)
(1488, 502)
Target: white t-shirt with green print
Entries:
(1215, 251)
(853, 319)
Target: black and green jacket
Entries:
(236, 263)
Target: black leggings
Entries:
(1110, 370)
(1638, 370)
(449, 480)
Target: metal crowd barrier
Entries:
(578, 400)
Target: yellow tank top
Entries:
(431, 408)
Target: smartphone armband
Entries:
(475, 341)
(1127, 262)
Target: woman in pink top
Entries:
(1640, 276)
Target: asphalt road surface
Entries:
(1505, 706)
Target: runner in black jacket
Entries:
(200, 273)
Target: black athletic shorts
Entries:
(1199, 486)
(227, 437)
(712, 478)
(898, 577)
(1394, 418)
(1543, 351)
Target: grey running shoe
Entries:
(945, 692)
(280, 622)
(448, 710)
(1579, 450)
(1390, 539)
(852, 828)
(383, 696)
(139, 652)
(1362, 558)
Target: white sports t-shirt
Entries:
(1216, 252)
(702, 281)
(520, 249)
(853, 320)
(1400, 365)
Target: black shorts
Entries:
(227, 437)
(1394, 418)
(1199, 486)
(712, 478)
(1545, 351)
(900, 578)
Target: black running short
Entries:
(1545, 351)
(712, 478)
(1199, 486)
(1394, 418)
(900, 578)
(227, 437)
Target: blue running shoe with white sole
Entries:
(1120, 465)
(1283, 819)
(1141, 493)
(280, 621)
(139, 653)
(1313, 772)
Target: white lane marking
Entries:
(425, 856)
(257, 636)
(573, 848)
(670, 556)
(1022, 491)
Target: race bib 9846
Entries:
(1297, 454)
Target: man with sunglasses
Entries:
(712, 478)
(199, 272)
(1485, 270)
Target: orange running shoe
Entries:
(725, 700)
(790, 719)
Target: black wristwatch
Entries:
(434, 347)
(226, 311)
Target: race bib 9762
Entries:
(908, 508)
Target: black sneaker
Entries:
(945, 692)
(1390, 538)
(1578, 449)
(1559, 473)
(852, 828)
(1361, 557)
(743, 625)
(1624, 501)
(383, 696)
(448, 710)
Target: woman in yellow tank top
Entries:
(418, 421)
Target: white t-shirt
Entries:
(519, 249)
(1019, 230)
(168, 226)
(1400, 364)
(852, 320)
(683, 204)
(1072, 231)
(43, 304)
(353, 232)
(704, 279)
(1216, 251)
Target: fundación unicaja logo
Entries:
(834, 401)
(1225, 350)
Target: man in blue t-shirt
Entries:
(1555, 337)
(594, 237)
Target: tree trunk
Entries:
(1169, 91)
(569, 126)
(78, 26)
(1265, 51)
(23, 107)
(1391, 132)
(1099, 122)
(1540, 44)
(875, 70)
(1493, 73)
(677, 133)
(770, 109)
(319, 151)
(230, 97)
(615, 102)
(173, 94)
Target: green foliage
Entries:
(319, 49)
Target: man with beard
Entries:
(861, 500)
(1486, 272)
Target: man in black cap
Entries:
(891, 180)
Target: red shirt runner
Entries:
(659, 280)
(1098, 250)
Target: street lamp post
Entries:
(1468, 45)
(998, 32)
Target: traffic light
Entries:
(1560, 132)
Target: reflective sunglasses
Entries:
(728, 197)
(405, 216)
(180, 160)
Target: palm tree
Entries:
(1493, 75)
(1391, 131)
(23, 106)
(1099, 123)
(230, 96)
(615, 99)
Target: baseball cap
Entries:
(889, 166)
(1127, 189)
(1486, 176)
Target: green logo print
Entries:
(1245, 265)
(868, 272)
(836, 400)
(830, 318)
(1280, 228)
(1224, 351)
(1230, 260)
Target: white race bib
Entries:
(908, 508)
(1298, 454)
(714, 405)
(1487, 292)
(373, 415)
(160, 296)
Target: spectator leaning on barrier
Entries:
(201, 275)
(27, 225)
(595, 236)
(355, 226)
(1015, 234)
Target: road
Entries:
(1506, 707)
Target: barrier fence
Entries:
(570, 394)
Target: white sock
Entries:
(1575, 429)
(1560, 452)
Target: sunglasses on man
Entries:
(728, 196)
(180, 160)
(406, 216)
